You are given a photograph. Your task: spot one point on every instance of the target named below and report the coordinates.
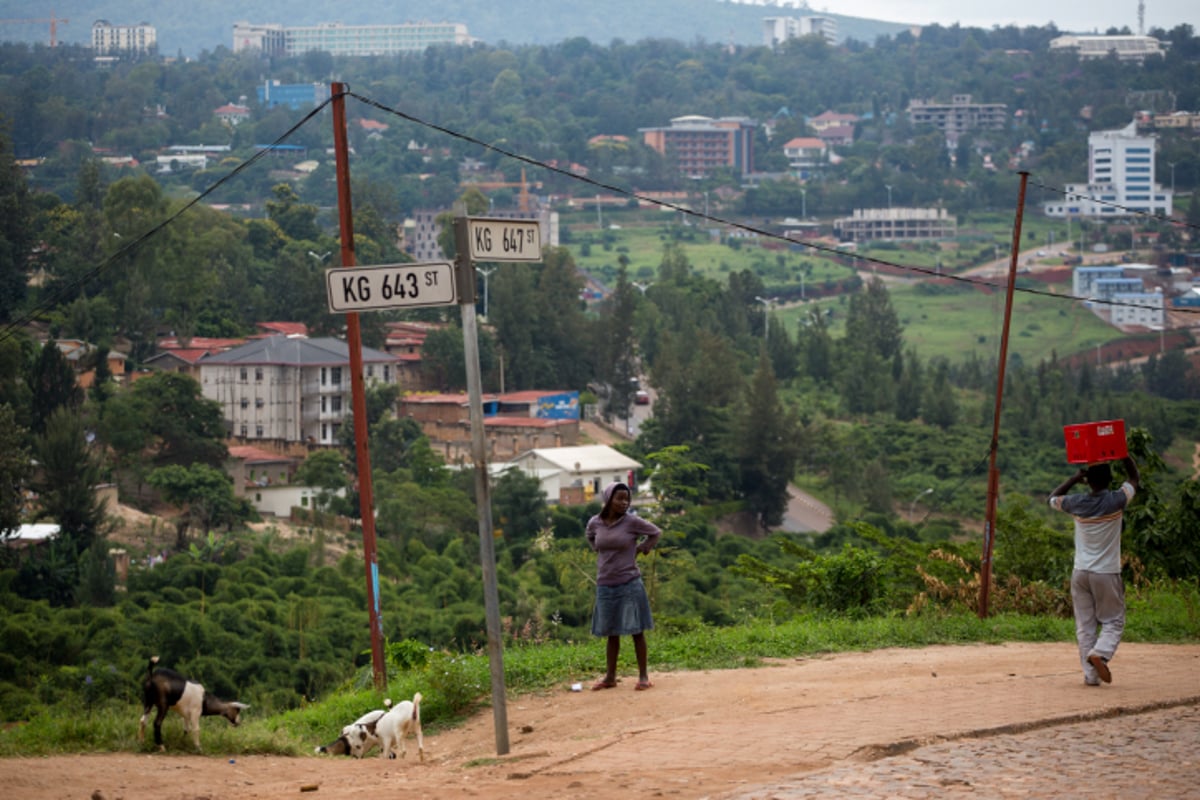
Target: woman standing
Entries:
(622, 608)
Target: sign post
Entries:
(487, 240)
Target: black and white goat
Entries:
(166, 690)
(358, 737)
(403, 719)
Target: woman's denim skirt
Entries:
(622, 610)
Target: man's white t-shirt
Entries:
(1098, 519)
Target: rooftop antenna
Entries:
(1141, 17)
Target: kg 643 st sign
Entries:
(390, 286)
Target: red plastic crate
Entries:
(1091, 442)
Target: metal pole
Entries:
(989, 525)
(366, 496)
(487, 545)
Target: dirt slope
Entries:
(694, 735)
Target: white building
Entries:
(777, 30)
(109, 39)
(1138, 308)
(891, 224)
(339, 39)
(586, 469)
(806, 155)
(1085, 281)
(1125, 47)
(289, 389)
(1121, 179)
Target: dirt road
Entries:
(928, 722)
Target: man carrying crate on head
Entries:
(1097, 591)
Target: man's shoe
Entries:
(1101, 664)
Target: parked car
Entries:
(641, 397)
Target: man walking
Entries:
(1097, 591)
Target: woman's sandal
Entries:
(603, 684)
(642, 686)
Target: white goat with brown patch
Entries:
(166, 690)
(392, 727)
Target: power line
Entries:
(8, 330)
(45, 305)
(736, 225)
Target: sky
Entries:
(1076, 16)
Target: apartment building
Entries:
(1121, 179)
(339, 39)
(123, 40)
(777, 30)
(289, 389)
(959, 115)
(700, 145)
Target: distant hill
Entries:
(198, 25)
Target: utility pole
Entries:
(366, 498)
(993, 486)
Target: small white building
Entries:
(576, 474)
(1138, 308)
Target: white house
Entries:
(805, 155)
(289, 389)
(575, 474)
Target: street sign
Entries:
(352, 289)
(505, 239)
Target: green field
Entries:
(960, 323)
(951, 323)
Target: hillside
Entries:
(207, 24)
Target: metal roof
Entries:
(288, 351)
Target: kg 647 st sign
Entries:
(505, 239)
(390, 286)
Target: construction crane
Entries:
(52, 20)
(522, 199)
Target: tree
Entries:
(871, 321)
(297, 220)
(205, 493)
(677, 481)
(326, 470)
(617, 344)
(17, 234)
(763, 441)
(519, 510)
(53, 383)
(182, 425)
(68, 472)
(15, 469)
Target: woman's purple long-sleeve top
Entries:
(617, 546)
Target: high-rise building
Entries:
(777, 30)
(118, 40)
(1120, 179)
(699, 145)
(338, 39)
